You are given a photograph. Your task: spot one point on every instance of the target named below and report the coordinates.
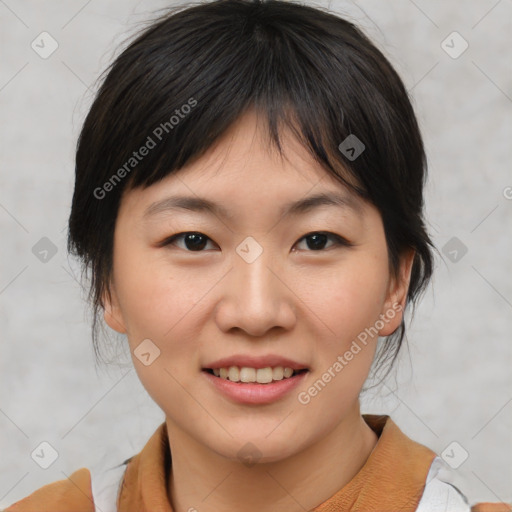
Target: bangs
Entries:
(177, 101)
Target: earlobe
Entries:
(397, 295)
(112, 312)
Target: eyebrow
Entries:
(294, 208)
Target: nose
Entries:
(255, 297)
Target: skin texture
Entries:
(294, 301)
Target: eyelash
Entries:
(338, 240)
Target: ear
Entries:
(393, 310)
(112, 312)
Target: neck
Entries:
(204, 480)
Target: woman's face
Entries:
(260, 285)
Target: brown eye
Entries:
(193, 241)
(317, 241)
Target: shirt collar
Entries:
(393, 477)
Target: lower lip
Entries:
(254, 393)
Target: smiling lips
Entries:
(255, 393)
(261, 370)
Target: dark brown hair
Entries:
(193, 72)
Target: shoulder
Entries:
(441, 495)
(85, 490)
(72, 493)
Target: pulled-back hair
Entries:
(195, 71)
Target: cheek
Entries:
(349, 303)
(162, 308)
(352, 297)
(155, 302)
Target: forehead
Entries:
(247, 145)
(243, 169)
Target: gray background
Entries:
(454, 382)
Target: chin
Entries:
(252, 447)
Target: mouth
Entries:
(248, 375)
(255, 386)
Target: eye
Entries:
(316, 241)
(193, 241)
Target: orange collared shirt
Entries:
(393, 478)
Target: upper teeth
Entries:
(260, 375)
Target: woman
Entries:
(249, 199)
